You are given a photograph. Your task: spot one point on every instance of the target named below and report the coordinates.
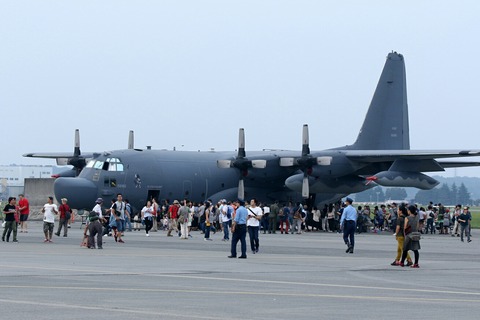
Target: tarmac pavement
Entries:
(305, 276)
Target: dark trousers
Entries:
(349, 232)
(272, 224)
(431, 227)
(148, 224)
(95, 229)
(62, 224)
(253, 235)
(240, 233)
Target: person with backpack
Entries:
(65, 215)
(226, 216)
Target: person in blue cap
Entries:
(348, 224)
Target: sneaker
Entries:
(147, 235)
(395, 263)
(57, 234)
(15, 240)
(469, 241)
(50, 241)
(121, 241)
(416, 266)
(409, 263)
(46, 240)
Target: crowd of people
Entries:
(236, 219)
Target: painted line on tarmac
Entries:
(256, 281)
(217, 292)
(161, 314)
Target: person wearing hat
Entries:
(239, 230)
(65, 215)
(95, 226)
(172, 217)
(348, 224)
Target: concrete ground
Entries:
(304, 276)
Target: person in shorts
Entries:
(24, 208)
(49, 211)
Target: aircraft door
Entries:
(153, 194)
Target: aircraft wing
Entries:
(392, 155)
(62, 158)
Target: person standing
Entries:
(400, 236)
(283, 215)
(208, 222)
(49, 211)
(183, 214)
(348, 223)
(147, 217)
(65, 215)
(464, 221)
(272, 217)
(24, 209)
(411, 228)
(172, 217)
(128, 215)
(9, 212)
(226, 217)
(239, 230)
(456, 225)
(95, 227)
(253, 224)
(118, 212)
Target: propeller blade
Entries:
(130, 140)
(287, 162)
(76, 149)
(259, 164)
(305, 187)
(241, 143)
(223, 164)
(305, 141)
(241, 190)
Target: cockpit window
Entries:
(110, 164)
(98, 165)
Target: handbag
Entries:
(415, 236)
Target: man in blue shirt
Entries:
(348, 223)
(239, 230)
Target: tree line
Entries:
(445, 194)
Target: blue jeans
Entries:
(226, 225)
(128, 223)
(207, 231)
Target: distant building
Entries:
(12, 177)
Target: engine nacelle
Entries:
(404, 179)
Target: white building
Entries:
(12, 177)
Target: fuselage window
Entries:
(90, 163)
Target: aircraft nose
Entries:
(80, 193)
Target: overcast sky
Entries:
(190, 73)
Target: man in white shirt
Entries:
(253, 224)
(49, 211)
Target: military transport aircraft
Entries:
(381, 155)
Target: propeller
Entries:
(305, 162)
(242, 163)
(77, 161)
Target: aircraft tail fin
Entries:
(386, 124)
